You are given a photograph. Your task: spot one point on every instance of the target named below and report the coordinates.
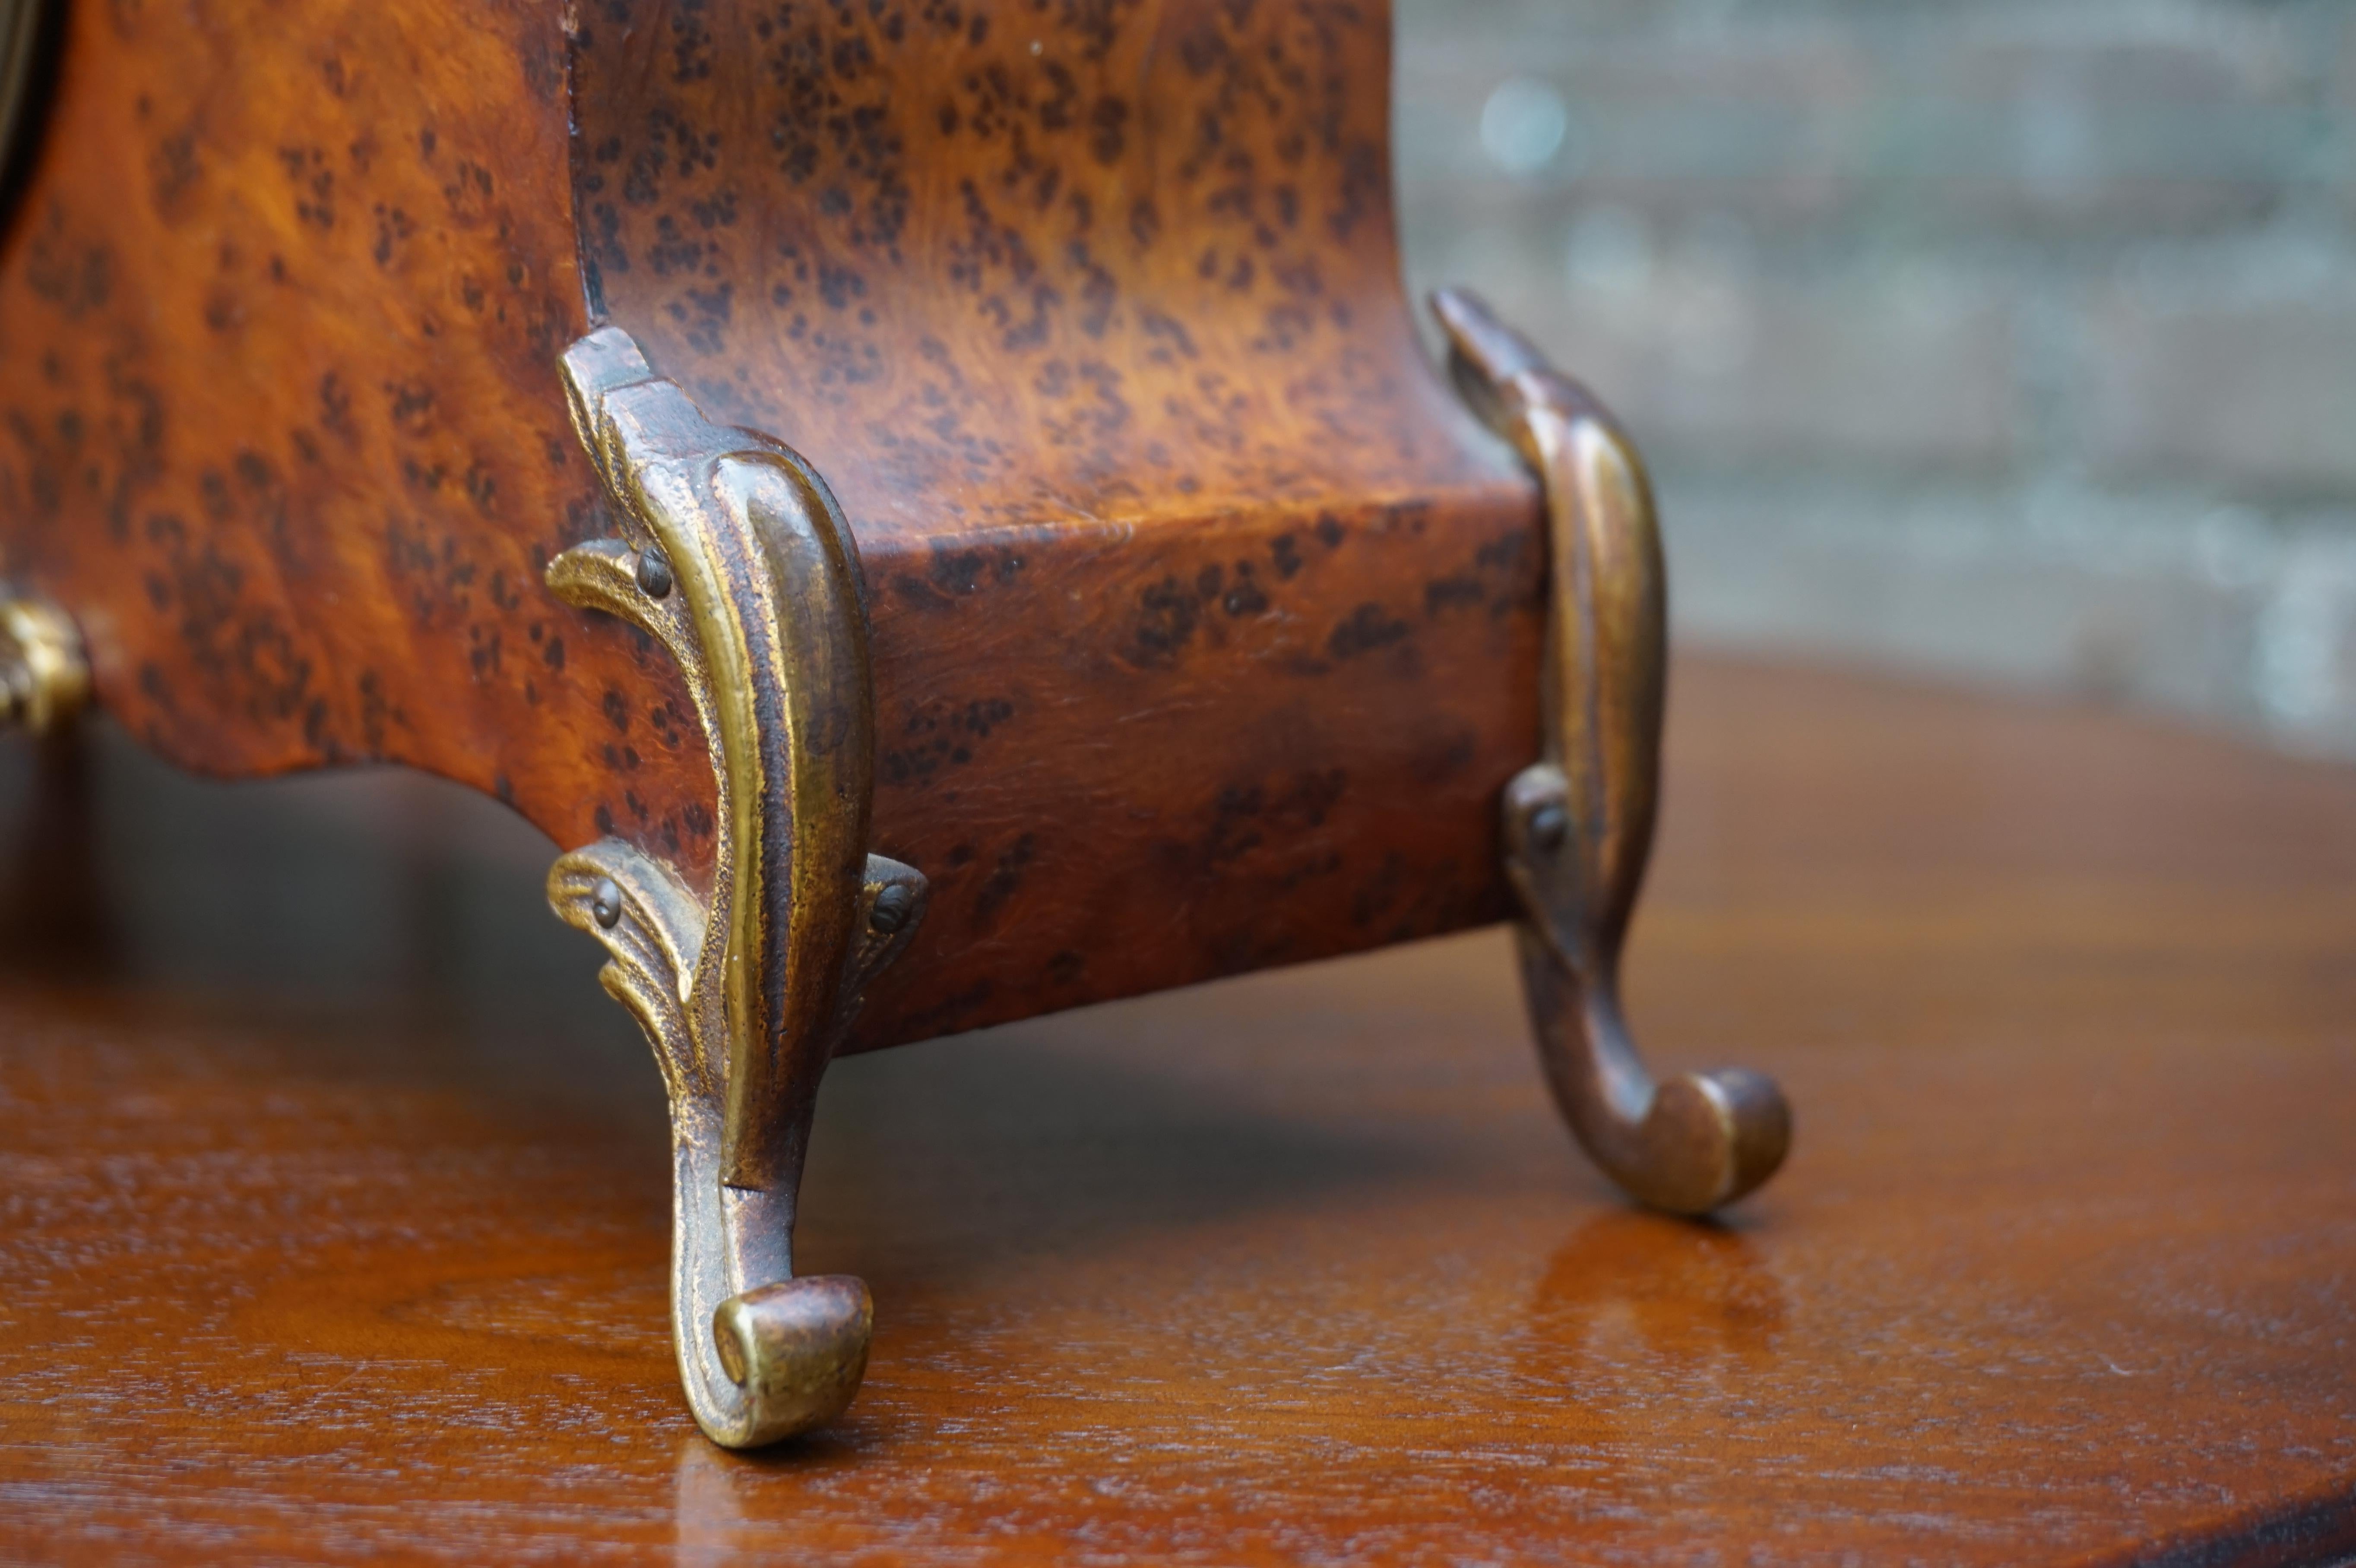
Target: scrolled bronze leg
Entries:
(1578, 824)
(735, 557)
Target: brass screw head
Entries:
(654, 572)
(893, 907)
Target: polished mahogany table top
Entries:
(334, 1198)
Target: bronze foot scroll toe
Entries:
(1578, 824)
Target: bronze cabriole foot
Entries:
(1579, 822)
(737, 558)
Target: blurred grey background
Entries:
(2008, 340)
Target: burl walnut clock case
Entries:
(939, 508)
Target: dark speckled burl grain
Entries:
(1207, 628)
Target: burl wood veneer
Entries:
(1205, 625)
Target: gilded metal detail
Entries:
(735, 557)
(44, 677)
(1578, 823)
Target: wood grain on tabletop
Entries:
(336, 1208)
(1090, 315)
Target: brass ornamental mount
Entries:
(44, 674)
(1579, 822)
(737, 558)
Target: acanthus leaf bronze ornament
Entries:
(735, 557)
(1578, 823)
